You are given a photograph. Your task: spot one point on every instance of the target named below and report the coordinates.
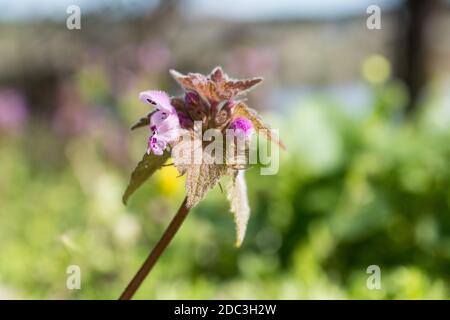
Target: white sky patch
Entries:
(231, 9)
(11, 10)
(283, 9)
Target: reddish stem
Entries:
(154, 255)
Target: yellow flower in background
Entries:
(168, 181)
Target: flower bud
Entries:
(242, 126)
(192, 98)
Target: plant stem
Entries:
(154, 255)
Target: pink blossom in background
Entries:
(133, 64)
(245, 61)
(75, 118)
(154, 56)
(72, 116)
(13, 110)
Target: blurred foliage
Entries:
(352, 191)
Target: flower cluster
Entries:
(166, 122)
(214, 101)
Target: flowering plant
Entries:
(213, 105)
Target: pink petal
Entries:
(156, 145)
(159, 99)
(169, 129)
(161, 122)
(169, 135)
(171, 121)
(242, 127)
(157, 118)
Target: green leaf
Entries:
(142, 122)
(144, 170)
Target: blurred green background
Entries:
(365, 115)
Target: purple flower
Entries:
(164, 122)
(242, 127)
(159, 99)
(156, 144)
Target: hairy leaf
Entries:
(200, 179)
(216, 86)
(237, 195)
(144, 170)
(202, 172)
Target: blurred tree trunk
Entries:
(411, 59)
